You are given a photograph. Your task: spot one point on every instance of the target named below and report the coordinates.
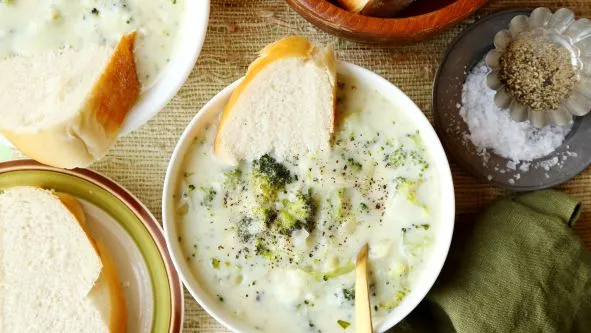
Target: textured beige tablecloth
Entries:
(237, 30)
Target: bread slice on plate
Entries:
(376, 8)
(65, 108)
(53, 276)
(285, 104)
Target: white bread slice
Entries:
(376, 8)
(65, 108)
(285, 104)
(49, 266)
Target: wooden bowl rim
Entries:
(425, 22)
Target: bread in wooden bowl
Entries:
(421, 20)
(375, 8)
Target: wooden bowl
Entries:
(421, 20)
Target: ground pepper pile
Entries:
(538, 72)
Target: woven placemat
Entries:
(237, 30)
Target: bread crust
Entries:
(109, 278)
(118, 310)
(85, 138)
(288, 47)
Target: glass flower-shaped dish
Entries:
(541, 67)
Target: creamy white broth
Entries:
(303, 281)
(32, 26)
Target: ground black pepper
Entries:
(537, 72)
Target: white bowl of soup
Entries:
(274, 251)
(170, 34)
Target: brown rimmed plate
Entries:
(152, 288)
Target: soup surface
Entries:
(31, 26)
(274, 242)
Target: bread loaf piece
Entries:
(65, 108)
(285, 104)
(52, 277)
(375, 8)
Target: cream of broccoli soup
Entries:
(30, 26)
(274, 241)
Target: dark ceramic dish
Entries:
(465, 52)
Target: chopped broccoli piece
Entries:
(243, 229)
(269, 177)
(343, 324)
(339, 271)
(264, 214)
(363, 207)
(233, 178)
(275, 173)
(419, 161)
(261, 249)
(395, 300)
(397, 159)
(215, 263)
(349, 294)
(190, 188)
(348, 268)
(265, 193)
(416, 138)
(353, 164)
(208, 195)
(296, 214)
(409, 189)
(400, 157)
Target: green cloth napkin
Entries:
(518, 269)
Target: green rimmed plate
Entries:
(152, 288)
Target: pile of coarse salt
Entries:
(492, 129)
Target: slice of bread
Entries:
(285, 104)
(52, 278)
(65, 108)
(375, 8)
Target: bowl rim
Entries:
(434, 263)
(174, 75)
(376, 26)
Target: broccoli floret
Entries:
(269, 178)
(363, 208)
(208, 195)
(249, 226)
(262, 249)
(296, 214)
(275, 173)
(353, 164)
(264, 214)
(397, 159)
(232, 178)
(243, 229)
(265, 193)
(409, 189)
(416, 139)
(349, 294)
